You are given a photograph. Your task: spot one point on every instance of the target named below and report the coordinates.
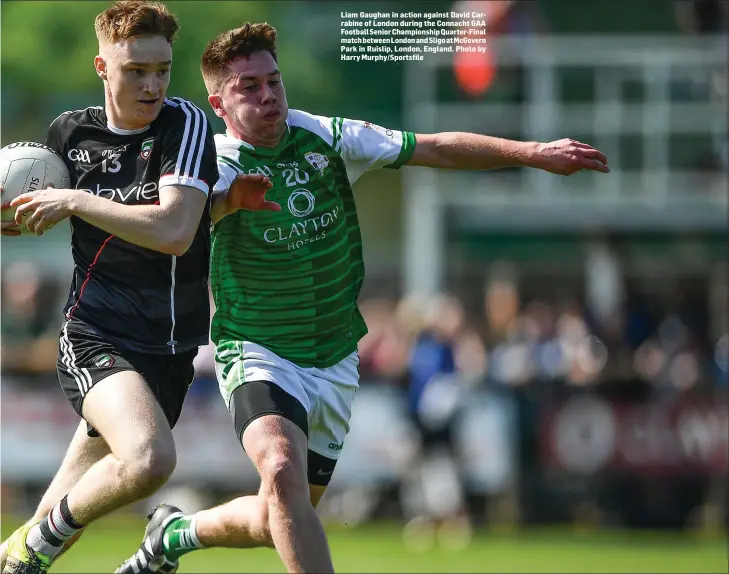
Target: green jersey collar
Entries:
(262, 150)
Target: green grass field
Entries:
(379, 548)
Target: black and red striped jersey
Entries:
(140, 299)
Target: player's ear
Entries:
(100, 65)
(216, 102)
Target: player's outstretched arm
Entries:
(168, 227)
(460, 150)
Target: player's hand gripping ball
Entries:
(25, 167)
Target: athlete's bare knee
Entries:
(283, 479)
(148, 467)
(138, 435)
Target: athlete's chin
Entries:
(274, 129)
(150, 109)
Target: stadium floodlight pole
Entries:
(424, 236)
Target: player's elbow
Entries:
(180, 218)
(177, 241)
(178, 249)
(180, 245)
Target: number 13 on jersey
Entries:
(111, 164)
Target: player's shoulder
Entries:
(69, 120)
(323, 126)
(178, 105)
(228, 146)
(176, 109)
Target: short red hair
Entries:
(128, 18)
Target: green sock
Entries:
(180, 537)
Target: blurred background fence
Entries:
(541, 349)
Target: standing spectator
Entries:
(434, 395)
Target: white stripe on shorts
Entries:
(81, 376)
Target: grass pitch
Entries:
(380, 548)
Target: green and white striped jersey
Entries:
(289, 280)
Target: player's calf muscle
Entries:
(240, 523)
(243, 522)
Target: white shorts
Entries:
(325, 394)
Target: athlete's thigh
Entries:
(126, 413)
(169, 377)
(255, 382)
(86, 359)
(82, 453)
(336, 388)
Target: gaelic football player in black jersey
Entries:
(142, 168)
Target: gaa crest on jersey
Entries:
(146, 148)
(318, 161)
(103, 361)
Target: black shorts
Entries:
(258, 398)
(85, 358)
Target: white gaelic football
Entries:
(29, 166)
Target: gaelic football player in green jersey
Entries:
(286, 271)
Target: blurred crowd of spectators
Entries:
(496, 335)
(507, 340)
(513, 342)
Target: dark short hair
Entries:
(238, 43)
